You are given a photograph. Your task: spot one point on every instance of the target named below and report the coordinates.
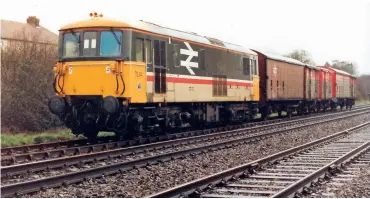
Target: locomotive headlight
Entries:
(57, 105)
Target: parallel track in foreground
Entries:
(110, 141)
(349, 171)
(50, 182)
(111, 145)
(290, 173)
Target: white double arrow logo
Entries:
(187, 63)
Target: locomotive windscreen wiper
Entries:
(75, 35)
(115, 36)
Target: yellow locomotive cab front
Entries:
(95, 77)
(102, 78)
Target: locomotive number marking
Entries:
(70, 70)
(138, 74)
(191, 53)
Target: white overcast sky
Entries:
(328, 29)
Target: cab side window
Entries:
(148, 51)
(255, 67)
(140, 50)
(246, 67)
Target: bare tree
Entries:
(363, 87)
(347, 66)
(302, 56)
(26, 85)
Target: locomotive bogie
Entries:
(89, 115)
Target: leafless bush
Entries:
(26, 85)
(363, 87)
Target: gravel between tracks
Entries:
(359, 187)
(144, 181)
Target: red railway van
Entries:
(342, 88)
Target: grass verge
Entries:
(11, 139)
(361, 102)
(18, 139)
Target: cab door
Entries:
(160, 70)
(256, 81)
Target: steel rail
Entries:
(36, 148)
(79, 142)
(194, 188)
(25, 149)
(35, 185)
(12, 170)
(296, 188)
(36, 156)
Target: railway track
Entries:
(35, 185)
(112, 141)
(91, 156)
(290, 173)
(111, 145)
(350, 170)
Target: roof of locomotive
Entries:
(281, 58)
(95, 22)
(154, 28)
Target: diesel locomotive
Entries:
(142, 78)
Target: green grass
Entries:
(18, 139)
(361, 102)
(10, 140)
(276, 114)
(106, 134)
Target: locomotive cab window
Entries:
(110, 43)
(246, 67)
(252, 67)
(254, 62)
(140, 50)
(71, 44)
(148, 51)
(89, 44)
